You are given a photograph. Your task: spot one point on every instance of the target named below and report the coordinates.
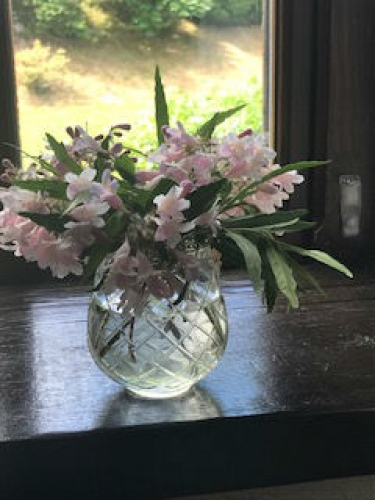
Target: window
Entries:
(92, 62)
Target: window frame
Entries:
(9, 127)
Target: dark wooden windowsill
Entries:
(291, 401)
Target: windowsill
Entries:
(291, 401)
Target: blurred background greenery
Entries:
(92, 62)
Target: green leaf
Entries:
(289, 168)
(283, 275)
(270, 289)
(319, 256)
(102, 158)
(62, 155)
(207, 129)
(80, 198)
(161, 107)
(51, 222)
(285, 227)
(303, 275)
(262, 220)
(203, 198)
(133, 198)
(96, 257)
(125, 167)
(55, 188)
(252, 258)
(116, 224)
(301, 225)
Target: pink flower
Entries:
(170, 219)
(268, 198)
(196, 168)
(36, 244)
(77, 184)
(171, 205)
(170, 231)
(83, 143)
(271, 194)
(137, 277)
(54, 252)
(107, 191)
(146, 176)
(22, 200)
(246, 155)
(286, 180)
(123, 271)
(89, 213)
(178, 144)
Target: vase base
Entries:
(158, 392)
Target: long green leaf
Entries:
(254, 221)
(270, 227)
(55, 188)
(302, 165)
(319, 256)
(292, 226)
(207, 129)
(303, 275)
(116, 224)
(51, 222)
(125, 167)
(95, 258)
(62, 155)
(301, 225)
(252, 258)
(283, 275)
(161, 107)
(203, 198)
(270, 289)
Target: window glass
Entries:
(92, 63)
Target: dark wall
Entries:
(351, 124)
(325, 109)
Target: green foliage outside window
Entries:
(151, 17)
(76, 19)
(234, 12)
(58, 18)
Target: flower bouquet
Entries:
(149, 240)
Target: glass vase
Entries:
(171, 345)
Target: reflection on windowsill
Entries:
(124, 409)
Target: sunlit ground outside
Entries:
(204, 68)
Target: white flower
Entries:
(80, 183)
(170, 205)
(170, 219)
(22, 200)
(84, 143)
(90, 213)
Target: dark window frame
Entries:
(9, 130)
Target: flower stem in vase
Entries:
(131, 340)
(115, 337)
